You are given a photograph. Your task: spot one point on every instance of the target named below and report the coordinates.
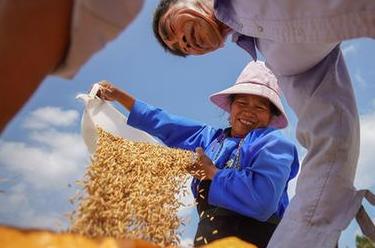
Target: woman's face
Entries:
(249, 112)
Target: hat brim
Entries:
(221, 99)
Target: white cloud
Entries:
(57, 158)
(49, 157)
(16, 196)
(36, 171)
(51, 116)
(17, 208)
(365, 172)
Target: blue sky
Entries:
(42, 153)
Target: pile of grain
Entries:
(131, 191)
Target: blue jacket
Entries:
(267, 160)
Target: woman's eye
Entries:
(261, 108)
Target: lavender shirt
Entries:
(305, 31)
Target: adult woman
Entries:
(243, 190)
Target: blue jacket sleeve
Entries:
(255, 190)
(172, 130)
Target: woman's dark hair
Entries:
(160, 11)
(274, 110)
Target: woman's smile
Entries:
(249, 112)
(246, 122)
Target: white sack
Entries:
(99, 113)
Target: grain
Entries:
(199, 238)
(201, 215)
(131, 190)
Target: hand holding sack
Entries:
(99, 113)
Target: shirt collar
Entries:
(224, 12)
(245, 42)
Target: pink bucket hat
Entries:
(255, 79)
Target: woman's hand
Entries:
(108, 91)
(203, 168)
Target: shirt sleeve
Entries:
(174, 131)
(94, 24)
(256, 190)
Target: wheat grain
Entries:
(130, 191)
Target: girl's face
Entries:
(248, 112)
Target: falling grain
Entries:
(199, 238)
(130, 191)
